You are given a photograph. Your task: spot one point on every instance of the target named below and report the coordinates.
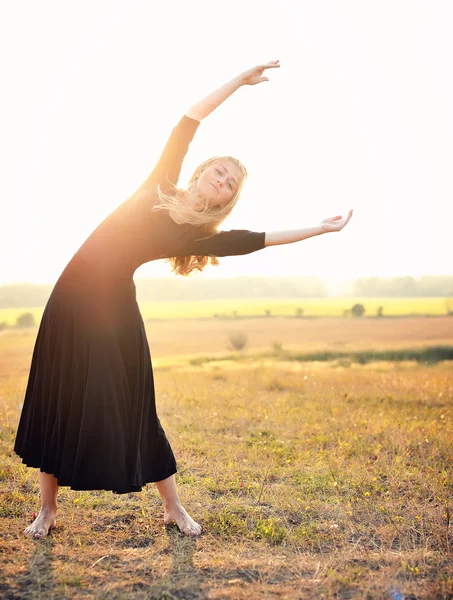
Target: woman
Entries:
(89, 417)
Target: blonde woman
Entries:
(89, 416)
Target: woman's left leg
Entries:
(173, 509)
(45, 521)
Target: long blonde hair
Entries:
(208, 219)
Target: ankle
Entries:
(48, 507)
(175, 505)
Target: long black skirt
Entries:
(89, 413)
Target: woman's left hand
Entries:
(253, 76)
(335, 223)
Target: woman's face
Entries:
(218, 183)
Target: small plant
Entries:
(344, 362)
(237, 341)
(277, 347)
(269, 530)
(275, 386)
(380, 310)
(227, 523)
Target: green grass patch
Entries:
(429, 355)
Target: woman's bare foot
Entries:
(43, 523)
(182, 519)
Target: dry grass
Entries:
(323, 481)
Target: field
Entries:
(312, 307)
(311, 479)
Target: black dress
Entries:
(89, 414)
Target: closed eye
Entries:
(230, 185)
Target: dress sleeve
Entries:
(170, 162)
(224, 243)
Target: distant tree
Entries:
(238, 340)
(299, 312)
(380, 310)
(449, 306)
(267, 312)
(235, 314)
(3, 325)
(357, 310)
(277, 346)
(25, 320)
(346, 312)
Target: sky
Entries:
(359, 115)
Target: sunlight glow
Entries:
(358, 116)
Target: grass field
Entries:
(311, 479)
(312, 307)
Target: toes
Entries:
(186, 524)
(40, 534)
(36, 533)
(194, 529)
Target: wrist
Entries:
(238, 81)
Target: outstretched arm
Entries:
(205, 107)
(274, 238)
(242, 241)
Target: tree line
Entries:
(162, 289)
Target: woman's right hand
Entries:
(254, 75)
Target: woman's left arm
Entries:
(275, 238)
(205, 107)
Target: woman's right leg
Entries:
(45, 521)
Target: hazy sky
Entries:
(358, 116)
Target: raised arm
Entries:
(275, 238)
(170, 162)
(205, 107)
